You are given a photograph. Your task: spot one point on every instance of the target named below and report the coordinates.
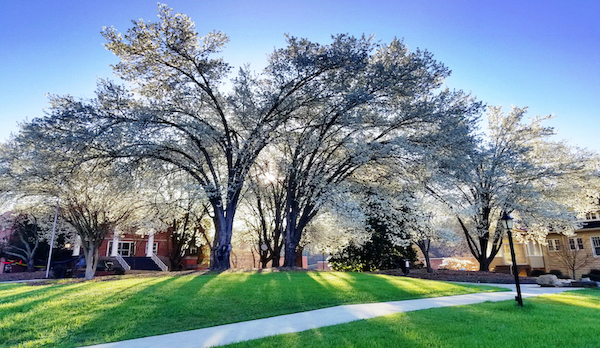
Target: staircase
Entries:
(142, 263)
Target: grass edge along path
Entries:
(71, 315)
(568, 319)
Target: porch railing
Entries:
(159, 263)
(122, 262)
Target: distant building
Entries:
(585, 243)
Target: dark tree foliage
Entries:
(378, 253)
(24, 242)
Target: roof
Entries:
(591, 224)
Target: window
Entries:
(576, 243)
(154, 248)
(594, 215)
(553, 244)
(519, 253)
(596, 245)
(534, 249)
(124, 249)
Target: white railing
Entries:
(122, 262)
(159, 263)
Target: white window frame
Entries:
(130, 250)
(554, 245)
(576, 243)
(595, 241)
(534, 249)
(154, 248)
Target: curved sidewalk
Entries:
(289, 323)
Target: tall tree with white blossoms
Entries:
(518, 170)
(95, 196)
(386, 105)
(344, 103)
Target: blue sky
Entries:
(541, 54)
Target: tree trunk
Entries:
(276, 256)
(221, 258)
(289, 259)
(299, 251)
(484, 264)
(30, 264)
(90, 263)
(221, 250)
(424, 246)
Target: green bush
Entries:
(593, 275)
(537, 272)
(378, 253)
(558, 274)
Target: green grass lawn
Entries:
(570, 319)
(86, 313)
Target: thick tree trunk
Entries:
(90, 262)
(484, 264)
(222, 258)
(291, 241)
(289, 259)
(221, 251)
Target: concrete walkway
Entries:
(289, 323)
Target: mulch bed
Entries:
(462, 276)
(444, 275)
(4, 277)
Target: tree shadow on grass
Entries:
(61, 312)
(544, 322)
(96, 312)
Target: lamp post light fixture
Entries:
(507, 222)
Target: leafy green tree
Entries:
(380, 252)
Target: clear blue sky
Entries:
(541, 54)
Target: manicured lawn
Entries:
(78, 314)
(570, 319)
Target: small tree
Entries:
(96, 203)
(25, 238)
(30, 229)
(573, 258)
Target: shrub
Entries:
(378, 253)
(593, 275)
(59, 271)
(537, 272)
(119, 270)
(558, 274)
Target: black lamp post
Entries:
(507, 222)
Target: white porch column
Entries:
(77, 246)
(150, 244)
(115, 245)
